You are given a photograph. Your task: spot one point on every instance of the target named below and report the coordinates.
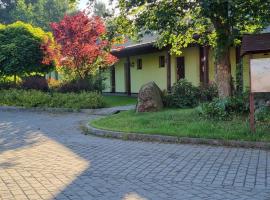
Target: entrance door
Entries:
(180, 68)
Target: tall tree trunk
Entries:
(223, 74)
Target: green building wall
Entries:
(152, 72)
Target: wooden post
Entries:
(252, 109)
(113, 79)
(168, 64)
(251, 101)
(127, 77)
(206, 65)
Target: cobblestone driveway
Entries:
(44, 156)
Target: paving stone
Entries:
(45, 156)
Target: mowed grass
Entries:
(183, 123)
(112, 101)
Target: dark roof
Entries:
(144, 45)
(146, 39)
(257, 43)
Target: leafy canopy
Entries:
(25, 49)
(36, 12)
(219, 23)
(84, 47)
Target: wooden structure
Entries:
(252, 45)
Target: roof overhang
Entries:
(254, 44)
(136, 49)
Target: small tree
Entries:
(85, 48)
(25, 49)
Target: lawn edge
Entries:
(88, 129)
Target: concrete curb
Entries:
(98, 111)
(172, 139)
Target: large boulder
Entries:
(149, 98)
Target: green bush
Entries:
(214, 110)
(183, 95)
(208, 92)
(23, 49)
(262, 114)
(35, 83)
(91, 83)
(226, 108)
(34, 98)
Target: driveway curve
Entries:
(45, 156)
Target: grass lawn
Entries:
(183, 123)
(112, 101)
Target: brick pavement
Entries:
(45, 156)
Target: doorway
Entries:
(180, 68)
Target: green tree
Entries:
(218, 23)
(100, 9)
(41, 12)
(25, 50)
(6, 6)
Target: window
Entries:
(161, 61)
(139, 63)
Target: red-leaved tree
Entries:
(84, 47)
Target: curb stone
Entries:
(172, 139)
(98, 111)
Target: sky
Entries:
(84, 2)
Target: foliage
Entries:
(178, 24)
(84, 48)
(6, 6)
(34, 98)
(90, 83)
(53, 84)
(208, 92)
(7, 84)
(100, 9)
(225, 108)
(36, 12)
(214, 110)
(35, 83)
(183, 95)
(239, 78)
(25, 49)
(183, 123)
(262, 114)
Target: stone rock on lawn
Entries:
(149, 98)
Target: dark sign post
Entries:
(251, 101)
(259, 68)
(252, 109)
(259, 82)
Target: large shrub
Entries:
(91, 83)
(7, 82)
(34, 98)
(35, 83)
(225, 108)
(25, 49)
(208, 92)
(183, 95)
(262, 114)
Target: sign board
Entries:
(260, 75)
